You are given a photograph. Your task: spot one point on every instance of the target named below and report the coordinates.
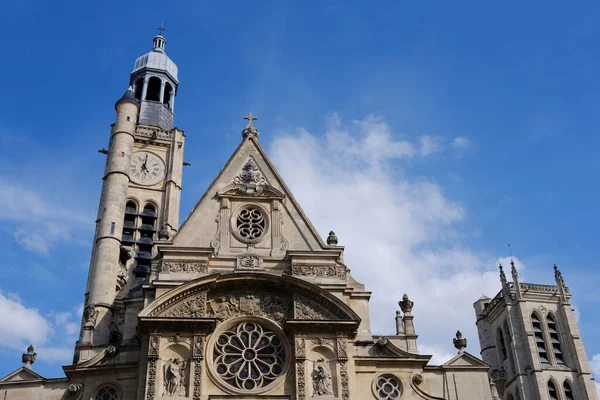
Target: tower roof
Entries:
(156, 59)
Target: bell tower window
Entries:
(153, 93)
(502, 344)
(539, 339)
(568, 391)
(146, 228)
(139, 88)
(555, 339)
(167, 96)
(552, 393)
(129, 224)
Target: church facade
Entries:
(245, 300)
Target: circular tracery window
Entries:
(388, 387)
(250, 224)
(249, 356)
(107, 393)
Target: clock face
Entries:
(146, 168)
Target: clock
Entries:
(146, 168)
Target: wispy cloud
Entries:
(52, 335)
(400, 232)
(41, 220)
(461, 143)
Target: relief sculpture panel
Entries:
(266, 305)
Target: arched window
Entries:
(153, 92)
(167, 96)
(139, 88)
(107, 391)
(568, 391)
(129, 224)
(539, 338)
(502, 344)
(552, 393)
(555, 339)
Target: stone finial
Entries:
(29, 357)
(558, 277)
(406, 305)
(332, 240)
(502, 276)
(250, 130)
(459, 342)
(513, 271)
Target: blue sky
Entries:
(482, 120)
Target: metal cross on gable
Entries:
(250, 118)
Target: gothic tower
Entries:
(139, 204)
(529, 337)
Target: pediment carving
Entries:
(238, 190)
(249, 303)
(307, 309)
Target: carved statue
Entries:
(175, 377)
(164, 232)
(321, 377)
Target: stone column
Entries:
(145, 88)
(153, 356)
(198, 359)
(342, 356)
(300, 354)
(172, 105)
(162, 91)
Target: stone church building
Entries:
(245, 299)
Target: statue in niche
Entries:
(175, 377)
(321, 377)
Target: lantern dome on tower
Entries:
(156, 59)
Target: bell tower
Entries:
(139, 204)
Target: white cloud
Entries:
(52, 336)
(595, 366)
(399, 231)
(461, 143)
(429, 145)
(41, 220)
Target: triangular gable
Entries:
(199, 228)
(22, 375)
(465, 359)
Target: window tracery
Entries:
(249, 356)
(250, 224)
(388, 387)
(108, 392)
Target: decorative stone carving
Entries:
(153, 347)
(248, 303)
(342, 347)
(332, 240)
(151, 379)
(117, 323)
(337, 271)
(111, 351)
(406, 305)
(249, 261)
(300, 347)
(459, 342)
(382, 342)
(194, 307)
(250, 174)
(308, 309)
(417, 378)
(178, 339)
(174, 377)
(90, 314)
(75, 391)
(165, 232)
(558, 276)
(189, 267)
(153, 133)
(215, 243)
(250, 130)
(300, 380)
(321, 377)
(344, 380)
(198, 356)
(29, 357)
(322, 342)
(542, 309)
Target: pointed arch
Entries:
(568, 390)
(552, 390)
(501, 344)
(554, 335)
(538, 333)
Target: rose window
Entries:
(247, 356)
(388, 387)
(250, 224)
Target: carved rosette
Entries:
(153, 355)
(198, 357)
(188, 267)
(311, 310)
(249, 261)
(328, 271)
